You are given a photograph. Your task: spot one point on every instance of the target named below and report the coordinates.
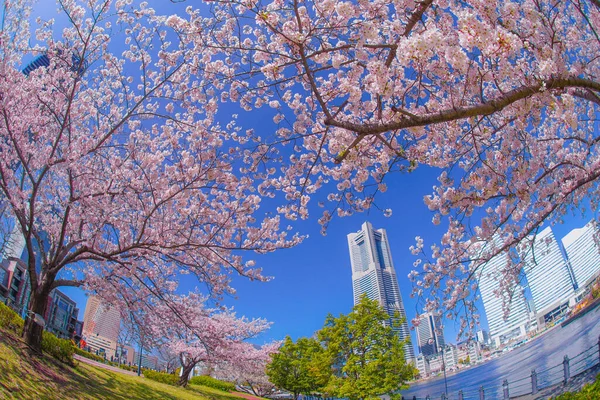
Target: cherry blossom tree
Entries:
(200, 335)
(115, 165)
(502, 97)
(248, 370)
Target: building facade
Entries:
(549, 276)
(517, 322)
(373, 274)
(101, 320)
(483, 337)
(430, 337)
(61, 315)
(15, 288)
(583, 253)
(100, 345)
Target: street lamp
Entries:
(442, 349)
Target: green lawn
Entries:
(25, 376)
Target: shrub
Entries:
(87, 354)
(163, 377)
(61, 349)
(205, 380)
(17, 323)
(10, 319)
(588, 392)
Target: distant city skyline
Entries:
(297, 288)
(556, 282)
(373, 274)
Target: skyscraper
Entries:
(517, 323)
(429, 335)
(373, 274)
(549, 276)
(583, 253)
(101, 320)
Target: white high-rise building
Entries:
(373, 273)
(549, 276)
(101, 320)
(517, 323)
(583, 253)
(429, 335)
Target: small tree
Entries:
(198, 334)
(366, 354)
(298, 367)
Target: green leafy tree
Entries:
(299, 368)
(365, 354)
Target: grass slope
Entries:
(215, 394)
(26, 376)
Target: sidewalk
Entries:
(103, 366)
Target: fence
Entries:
(531, 384)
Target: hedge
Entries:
(205, 380)
(87, 354)
(10, 319)
(163, 377)
(61, 349)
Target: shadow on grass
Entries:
(213, 394)
(27, 376)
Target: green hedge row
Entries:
(10, 319)
(163, 377)
(87, 354)
(61, 349)
(205, 380)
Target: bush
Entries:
(209, 381)
(588, 392)
(87, 354)
(17, 324)
(10, 319)
(61, 349)
(162, 377)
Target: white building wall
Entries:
(548, 274)
(583, 253)
(488, 277)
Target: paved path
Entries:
(102, 365)
(246, 395)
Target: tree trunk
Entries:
(185, 373)
(32, 332)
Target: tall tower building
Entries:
(101, 320)
(549, 276)
(517, 322)
(583, 253)
(429, 334)
(373, 274)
